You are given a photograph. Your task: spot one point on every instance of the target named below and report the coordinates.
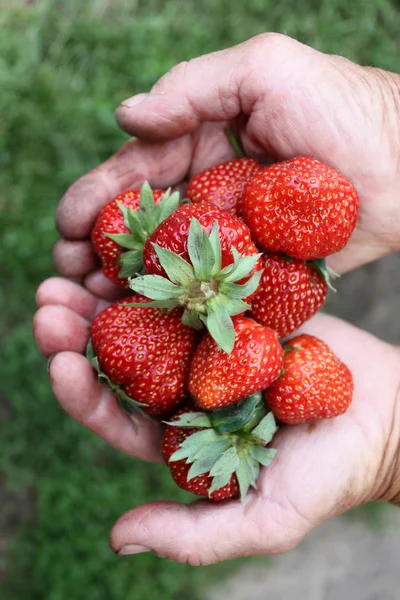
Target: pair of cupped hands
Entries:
(282, 99)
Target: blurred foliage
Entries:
(64, 67)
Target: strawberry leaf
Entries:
(167, 205)
(216, 246)
(227, 463)
(177, 269)
(124, 210)
(201, 466)
(219, 482)
(200, 251)
(244, 266)
(191, 419)
(266, 429)
(218, 447)
(233, 306)
(124, 240)
(234, 290)
(131, 263)
(244, 478)
(192, 444)
(155, 287)
(220, 326)
(146, 198)
(265, 456)
(236, 416)
(325, 272)
(135, 226)
(207, 457)
(191, 319)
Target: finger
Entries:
(163, 165)
(215, 87)
(203, 532)
(58, 291)
(101, 286)
(75, 385)
(210, 147)
(58, 329)
(74, 259)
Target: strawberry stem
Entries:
(234, 142)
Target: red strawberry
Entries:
(123, 226)
(315, 384)
(173, 233)
(144, 351)
(222, 185)
(301, 207)
(217, 379)
(173, 438)
(219, 454)
(204, 260)
(290, 292)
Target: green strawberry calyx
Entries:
(141, 224)
(239, 450)
(319, 264)
(209, 294)
(129, 405)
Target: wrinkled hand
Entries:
(283, 99)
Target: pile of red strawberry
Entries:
(217, 281)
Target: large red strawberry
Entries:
(217, 379)
(301, 207)
(315, 384)
(204, 260)
(123, 226)
(145, 353)
(222, 185)
(291, 291)
(218, 464)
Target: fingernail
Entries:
(130, 102)
(49, 361)
(133, 549)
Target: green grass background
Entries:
(64, 67)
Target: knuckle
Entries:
(177, 73)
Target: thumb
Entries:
(215, 87)
(201, 533)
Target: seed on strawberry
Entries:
(315, 384)
(145, 353)
(217, 465)
(290, 292)
(217, 379)
(300, 207)
(123, 226)
(202, 259)
(222, 185)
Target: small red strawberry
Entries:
(315, 384)
(172, 441)
(204, 260)
(123, 226)
(173, 235)
(217, 379)
(145, 353)
(291, 291)
(219, 462)
(222, 185)
(301, 207)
